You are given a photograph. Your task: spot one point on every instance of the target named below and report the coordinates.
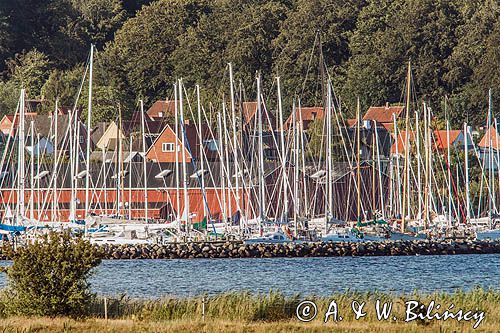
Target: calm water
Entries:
(320, 276)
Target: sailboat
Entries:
(492, 229)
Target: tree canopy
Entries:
(363, 47)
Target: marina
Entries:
(247, 174)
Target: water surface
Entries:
(319, 276)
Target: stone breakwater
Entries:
(240, 250)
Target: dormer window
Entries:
(167, 147)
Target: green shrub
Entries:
(49, 276)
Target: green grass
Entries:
(247, 312)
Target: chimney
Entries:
(386, 105)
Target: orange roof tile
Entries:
(399, 145)
(306, 114)
(490, 135)
(383, 114)
(351, 122)
(250, 112)
(441, 138)
(161, 109)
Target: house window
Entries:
(212, 145)
(81, 138)
(167, 147)
(160, 114)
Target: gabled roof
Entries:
(250, 115)
(383, 114)
(441, 138)
(306, 114)
(351, 122)
(160, 109)
(399, 145)
(490, 135)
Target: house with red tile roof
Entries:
(439, 140)
(384, 114)
(163, 149)
(10, 122)
(250, 117)
(305, 114)
(456, 139)
(491, 138)
(161, 110)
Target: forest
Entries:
(362, 46)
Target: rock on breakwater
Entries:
(240, 250)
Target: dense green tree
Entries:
(139, 59)
(363, 46)
(471, 66)
(9, 96)
(314, 28)
(242, 37)
(388, 34)
(27, 70)
(52, 27)
(65, 86)
(101, 18)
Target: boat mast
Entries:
(20, 167)
(104, 184)
(399, 203)
(431, 172)
(177, 149)
(201, 147)
(302, 148)
(262, 180)
(358, 152)
(329, 174)
(428, 147)
(130, 178)
(118, 163)
(449, 171)
(235, 145)
(497, 151)
(296, 171)
(76, 158)
(466, 149)
(89, 118)
(225, 152)
(490, 175)
(144, 171)
(56, 138)
(406, 147)
(284, 217)
(222, 164)
(381, 192)
(184, 170)
(32, 169)
(374, 186)
(38, 206)
(419, 172)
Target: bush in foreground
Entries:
(49, 276)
